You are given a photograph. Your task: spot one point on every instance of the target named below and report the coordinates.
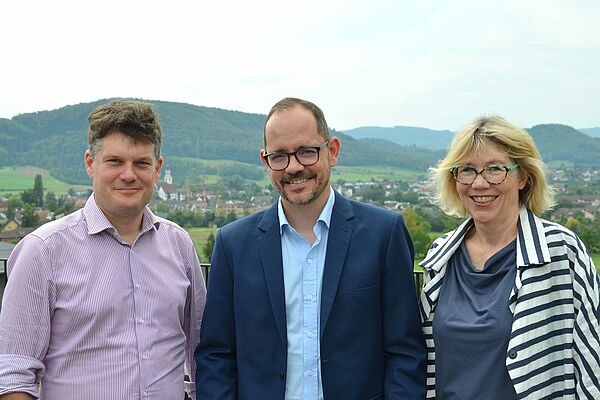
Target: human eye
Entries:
(277, 157)
(495, 169)
(143, 164)
(113, 161)
(466, 170)
(307, 152)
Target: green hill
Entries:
(563, 143)
(56, 140)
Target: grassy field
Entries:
(365, 174)
(18, 179)
(199, 236)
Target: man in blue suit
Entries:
(313, 298)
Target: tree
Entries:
(29, 217)
(419, 231)
(38, 190)
(51, 202)
(14, 204)
(28, 197)
(207, 250)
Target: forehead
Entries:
(118, 143)
(296, 125)
(485, 152)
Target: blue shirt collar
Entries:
(325, 215)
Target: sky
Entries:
(433, 64)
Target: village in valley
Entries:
(213, 205)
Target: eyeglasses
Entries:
(278, 161)
(494, 174)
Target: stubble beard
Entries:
(312, 196)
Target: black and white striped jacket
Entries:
(554, 347)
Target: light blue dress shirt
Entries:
(303, 266)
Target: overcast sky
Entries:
(435, 64)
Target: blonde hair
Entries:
(515, 143)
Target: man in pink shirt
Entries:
(105, 303)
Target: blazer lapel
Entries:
(269, 245)
(340, 232)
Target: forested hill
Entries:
(56, 140)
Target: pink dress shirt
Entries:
(91, 317)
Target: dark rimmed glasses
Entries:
(279, 160)
(494, 174)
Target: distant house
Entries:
(9, 225)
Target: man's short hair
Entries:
(291, 102)
(135, 119)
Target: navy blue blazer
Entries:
(371, 340)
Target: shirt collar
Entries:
(325, 215)
(97, 221)
(532, 246)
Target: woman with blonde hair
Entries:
(510, 303)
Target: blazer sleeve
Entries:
(216, 367)
(403, 337)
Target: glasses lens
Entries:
(307, 156)
(278, 160)
(494, 174)
(465, 174)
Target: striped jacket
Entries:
(554, 347)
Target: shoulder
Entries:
(370, 213)
(171, 227)
(65, 224)
(243, 225)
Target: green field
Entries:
(14, 180)
(199, 236)
(366, 174)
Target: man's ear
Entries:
(159, 164)
(262, 158)
(89, 164)
(334, 150)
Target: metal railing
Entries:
(418, 276)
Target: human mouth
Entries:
(483, 199)
(297, 181)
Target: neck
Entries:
(485, 240)
(127, 227)
(303, 217)
(496, 235)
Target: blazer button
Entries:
(512, 354)
(281, 375)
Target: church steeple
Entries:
(168, 178)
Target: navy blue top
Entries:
(472, 326)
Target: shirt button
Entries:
(281, 375)
(309, 297)
(145, 393)
(310, 373)
(309, 261)
(144, 356)
(140, 321)
(137, 286)
(310, 334)
(512, 354)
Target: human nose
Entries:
(128, 173)
(480, 181)
(294, 165)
